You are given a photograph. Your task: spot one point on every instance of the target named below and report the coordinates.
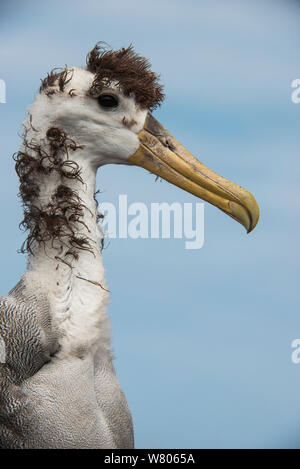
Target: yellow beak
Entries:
(164, 156)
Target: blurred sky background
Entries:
(202, 338)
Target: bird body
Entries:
(70, 297)
(58, 387)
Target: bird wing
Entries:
(27, 341)
(53, 401)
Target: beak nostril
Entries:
(167, 143)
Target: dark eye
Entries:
(108, 101)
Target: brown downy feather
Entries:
(131, 71)
(60, 218)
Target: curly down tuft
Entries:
(131, 71)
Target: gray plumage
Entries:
(41, 403)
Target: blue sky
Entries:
(202, 338)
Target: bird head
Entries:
(107, 108)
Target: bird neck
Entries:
(64, 241)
